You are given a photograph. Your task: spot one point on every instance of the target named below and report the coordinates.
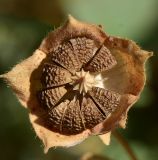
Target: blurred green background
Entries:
(23, 25)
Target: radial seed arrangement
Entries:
(71, 93)
(79, 82)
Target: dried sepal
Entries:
(105, 138)
(80, 82)
(128, 76)
(25, 75)
(52, 139)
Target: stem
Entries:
(125, 145)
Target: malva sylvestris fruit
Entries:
(79, 82)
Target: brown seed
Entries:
(106, 100)
(84, 48)
(55, 117)
(72, 121)
(54, 75)
(50, 97)
(65, 56)
(91, 114)
(102, 61)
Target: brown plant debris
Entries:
(79, 82)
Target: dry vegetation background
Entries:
(24, 23)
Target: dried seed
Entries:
(54, 75)
(72, 120)
(50, 97)
(55, 116)
(102, 61)
(106, 100)
(64, 56)
(91, 114)
(84, 49)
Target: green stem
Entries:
(125, 145)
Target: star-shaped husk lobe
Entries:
(128, 76)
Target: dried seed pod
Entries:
(78, 83)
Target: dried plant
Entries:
(79, 82)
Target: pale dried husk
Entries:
(126, 78)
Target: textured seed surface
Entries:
(66, 57)
(54, 75)
(84, 48)
(70, 111)
(72, 120)
(55, 116)
(103, 60)
(106, 100)
(50, 97)
(92, 115)
(74, 53)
